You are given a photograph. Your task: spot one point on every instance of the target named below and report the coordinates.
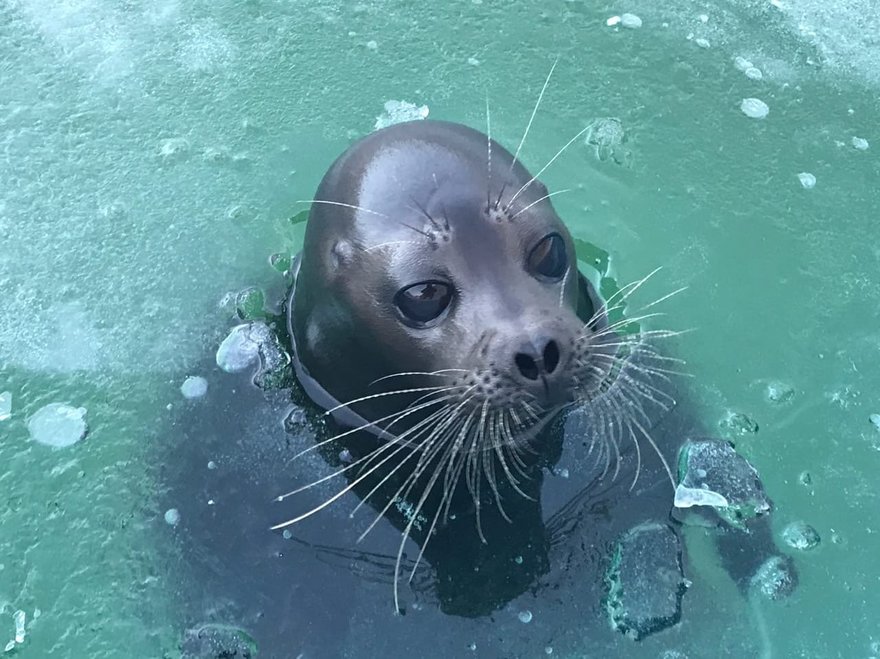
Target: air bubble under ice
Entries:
(58, 425)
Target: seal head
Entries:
(437, 281)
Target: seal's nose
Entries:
(533, 361)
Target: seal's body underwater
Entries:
(438, 316)
(438, 310)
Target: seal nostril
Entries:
(551, 356)
(526, 366)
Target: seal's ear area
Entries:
(589, 303)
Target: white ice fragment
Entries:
(630, 21)
(754, 108)
(239, 350)
(754, 73)
(372, 45)
(611, 22)
(473, 61)
(742, 63)
(194, 387)
(400, 111)
(172, 517)
(58, 425)
(5, 405)
(685, 497)
(807, 180)
(9, 646)
(19, 617)
(702, 43)
(704, 18)
(859, 143)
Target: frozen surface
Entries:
(152, 153)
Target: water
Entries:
(152, 154)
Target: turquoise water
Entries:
(153, 153)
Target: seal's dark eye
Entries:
(421, 303)
(548, 257)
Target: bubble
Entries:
(630, 21)
(286, 534)
(875, 420)
(525, 616)
(172, 517)
(212, 465)
(612, 21)
(860, 143)
(473, 61)
(18, 619)
(807, 180)
(372, 45)
(58, 425)
(754, 108)
(800, 535)
(194, 387)
(754, 73)
(703, 43)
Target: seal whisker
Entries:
(382, 394)
(442, 371)
(391, 242)
(538, 201)
(488, 156)
(544, 168)
(526, 132)
(343, 205)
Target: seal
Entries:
(472, 388)
(438, 309)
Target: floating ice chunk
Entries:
(807, 180)
(742, 64)
(58, 425)
(399, 111)
(800, 535)
(860, 143)
(713, 475)
(19, 617)
(5, 405)
(611, 22)
(686, 497)
(172, 517)
(630, 21)
(778, 392)
(194, 387)
(754, 108)
(774, 579)
(241, 348)
(754, 73)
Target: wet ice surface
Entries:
(399, 111)
(58, 425)
(5, 405)
(147, 152)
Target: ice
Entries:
(19, 619)
(241, 348)
(754, 108)
(807, 180)
(172, 517)
(58, 425)
(712, 475)
(399, 111)
(612, 21)
(630, 21)
(800, 535)
(194, 387)
(860, 143)
(255, 344)
(5, 405)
